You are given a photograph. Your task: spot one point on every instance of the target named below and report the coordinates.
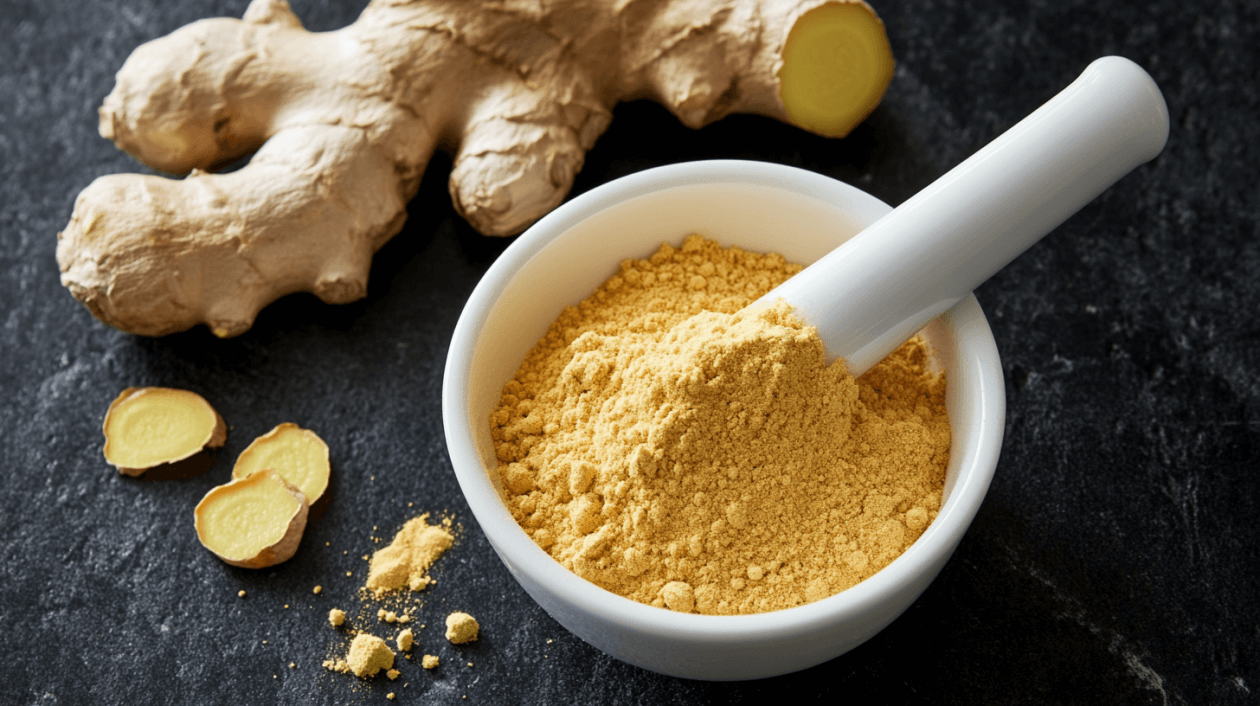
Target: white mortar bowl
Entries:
(562, 259)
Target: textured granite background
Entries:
(1116, 559)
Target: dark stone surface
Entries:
(1116, 559)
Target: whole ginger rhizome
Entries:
(671, 448)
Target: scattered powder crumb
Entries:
(403, 564)
(349, 573)
(286, 606)
(368, 655)
(390, 696)
(461, 628)
(241, 594)
(318, 590)
(470, 665)
(292, 665)
(392, 674)
(406, 561)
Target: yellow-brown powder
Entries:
(406, 561)
(368, 655)
(461, 627)
(672, 449)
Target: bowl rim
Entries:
(505, 535)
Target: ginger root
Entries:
(343, 124)
(252, 522)
(147, 427)
(297, 454)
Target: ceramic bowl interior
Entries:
(562, 259)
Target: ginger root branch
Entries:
(345, 122)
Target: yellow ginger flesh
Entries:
(150, 426)
(297, 454)
(252, 522)
(836, 65)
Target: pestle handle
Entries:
(873, 293)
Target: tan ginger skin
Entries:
(344, 123)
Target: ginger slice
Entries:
(297, 454)
(150, 426)
(836, 64)
(252, 522)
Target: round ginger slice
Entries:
(252, 522)
(297, 454)
(150, 426)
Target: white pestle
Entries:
(875, 291)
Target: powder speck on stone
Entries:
(368, 655)
(429, 662)
(336, 617)
(461, 628)
(406, 561)
(405, 640)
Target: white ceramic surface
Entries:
(868, 297)
(559, 261)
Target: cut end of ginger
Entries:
(297, 454)
(405, 562)
(252, 522)
(836, 65)
(151, 426)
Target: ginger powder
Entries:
(671, 448)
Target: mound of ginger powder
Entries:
(670, 448)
